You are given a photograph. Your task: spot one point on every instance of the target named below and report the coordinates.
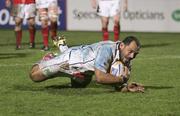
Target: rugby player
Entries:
(23, 9)
(107, 9)
(80, 63)
(48, 11)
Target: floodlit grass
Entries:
(157, 67)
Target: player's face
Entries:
(129, 52)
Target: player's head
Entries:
(130, 39)
(129, 47)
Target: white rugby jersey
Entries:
(83, 58)
(99, 55)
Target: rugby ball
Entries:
(117, 68)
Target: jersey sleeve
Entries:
(104, 58)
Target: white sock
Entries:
(63, 48)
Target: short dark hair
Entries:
(130, 39)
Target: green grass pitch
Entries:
(157, 67)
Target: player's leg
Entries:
(43, 15)
(103, 11)
(60, 42)
(30, 14)
(79, 68)
(105, 22)
(115, 13)
(36, 74)
(45, 69)
(32, 32)
(53, 16)
(17, 12)
(18, 32)
(79, 82)
(49, 67)
(116, 30)
(53, 29)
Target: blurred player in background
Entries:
(107, 9)
(23, 9)
(81, 62)
(48, 10)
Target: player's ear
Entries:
(122, 45)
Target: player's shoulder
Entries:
(107, 43)
(108, 46)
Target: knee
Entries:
(36, 74)
(33, 74)
(33, 77)
(44, 23)
(18, 21)
(18, 25)
(116, 22)
(53, 19)
(31, 23)
(105, 23)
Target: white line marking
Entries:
(13, 65)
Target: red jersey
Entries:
(23, 1)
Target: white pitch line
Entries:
(12, 65)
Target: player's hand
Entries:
(8, 3)
(135, 87)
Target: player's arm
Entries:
(94, 3)
(107, 78)
(102, 65)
